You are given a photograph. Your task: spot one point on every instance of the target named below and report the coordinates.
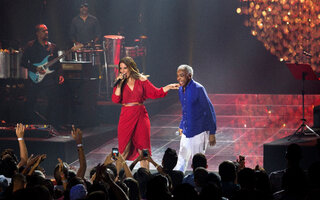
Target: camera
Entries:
(145, 152)
(115, 153)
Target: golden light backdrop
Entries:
(289, 29)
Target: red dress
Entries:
(134, 121)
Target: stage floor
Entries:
(245, 122)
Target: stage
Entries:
(245, 123)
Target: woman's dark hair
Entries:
(8, 167)
(9, 152)
(129, 62)
(143, 175)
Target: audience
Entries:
(114, 180)
(198, 160)
(228, 174)
(169, 161)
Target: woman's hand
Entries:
(173, 86)
(120, 77)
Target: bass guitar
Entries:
(45, 65)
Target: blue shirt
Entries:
(198, 114)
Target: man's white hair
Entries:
(186, 68)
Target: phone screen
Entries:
(145, 152)
(115, 152)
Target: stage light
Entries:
(238, 10)
(254, 33)
(286, 28)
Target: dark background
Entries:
(207, 34)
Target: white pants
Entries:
(189, 147)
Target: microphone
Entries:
(119, 80)
(307, 54)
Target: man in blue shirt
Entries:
(198, 123)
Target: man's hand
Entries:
(20, 130)
(40, 159)
(180, 131)
(31, 160)
(61, 166)
(41, 70)
(61, 79)
(212, 139)
(76, 134)
(242, 162)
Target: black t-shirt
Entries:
(84, 31)
(35, 53)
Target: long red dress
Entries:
(134, 121)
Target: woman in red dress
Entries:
(134, 124)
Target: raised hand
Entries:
(36, 164)
(22, 145)
(31, 160)
(61, 167)
(100, 172)
(76, 134)
(40, 159)
(242, 162)
(20, 130)
(62, 175)
(120, 158)
(108, 159)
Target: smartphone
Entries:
(145, 152)
(115, 153)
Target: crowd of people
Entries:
(24, 178)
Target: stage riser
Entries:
(274, 152)
(60, 147)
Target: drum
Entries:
(113, 46)
(16, 71)
(66, 57)
(89, 55)
(82, 54)
(141, 44)
(4, 64)
(10, 65)
(131, 51)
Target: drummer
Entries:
(84, 28)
